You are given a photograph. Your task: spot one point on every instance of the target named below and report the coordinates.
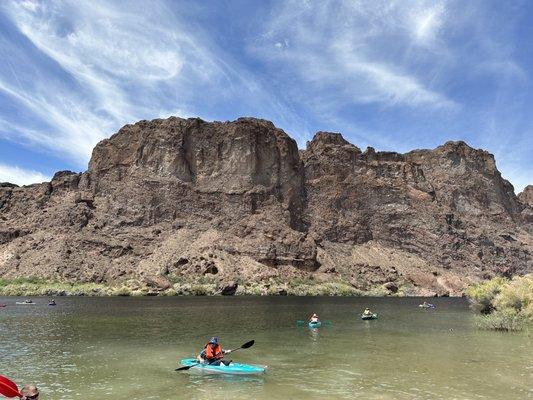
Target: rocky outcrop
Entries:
(526, 197)
(236, 204)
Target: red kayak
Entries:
(3, 305)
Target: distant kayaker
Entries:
(212, 352)
(29, 392)
(314, 318)
(367, 312)
(52, 302)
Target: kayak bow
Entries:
(369, 317)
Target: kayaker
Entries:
(212, 352)
(314, 318)
(29, 392)
(367, 312)
(52, 302)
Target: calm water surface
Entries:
(128, 348)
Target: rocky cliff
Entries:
(235, 205)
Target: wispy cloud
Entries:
(424, 23)
(391, 74)
(110, 63)
(112, 60)
(420, 68)
(353, 47)
(20, 176)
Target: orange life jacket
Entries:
(213, 352)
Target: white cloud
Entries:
(87, 68)
(116, 63)
(332, 57)
(20, 176)
(426, 22)
(109, 51)
(355, 48)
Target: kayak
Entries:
(427, 306)
(3, 305)
(52, 304)
(367, 317)
(23, 303)
(232, 368)
(316, 324)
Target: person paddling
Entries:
(212, 352)
(314, 318)
(367, 312)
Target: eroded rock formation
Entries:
(236, 203)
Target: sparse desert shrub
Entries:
(517, 295)
(501, 320)
(505, 305)
(202, 289)
(483, 294)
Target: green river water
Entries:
(128, 348)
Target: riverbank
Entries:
(297, 287)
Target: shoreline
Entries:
(34, 287)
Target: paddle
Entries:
(244, 346)
(8, 388)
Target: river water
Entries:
(128, 348)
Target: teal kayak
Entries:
(367, 317)
(233, 368)
(313, 325)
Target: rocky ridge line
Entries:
(237, 206)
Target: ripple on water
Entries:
(128, 349)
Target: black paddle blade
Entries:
(248, 344)
(184, 368)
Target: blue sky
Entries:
(395, 75)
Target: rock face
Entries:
(237, 204)
(526, 196)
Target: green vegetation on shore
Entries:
(33, 286)
(503, 304)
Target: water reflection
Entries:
(203, 378)
(314, 334)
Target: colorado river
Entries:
(128, 348)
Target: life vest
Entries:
(213, 352)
